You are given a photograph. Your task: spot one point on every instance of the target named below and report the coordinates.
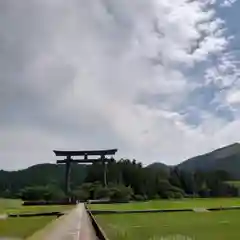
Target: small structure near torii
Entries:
(101, 154)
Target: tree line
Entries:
(128, 179)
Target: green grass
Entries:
(170, 204)
(15, 206)
(39, 209)
(9, 204)
(208, 226)
(22, 227)
(198, 226)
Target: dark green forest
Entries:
(127, 180)
(202, 176)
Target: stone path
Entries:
(74, 226)
(200, 210)
(9, 238)
(3, 216)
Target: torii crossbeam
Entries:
(69, 159)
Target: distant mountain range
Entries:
(226, 158)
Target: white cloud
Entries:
(233, 97)
(228, 3)
(225, 77)
(79, 68)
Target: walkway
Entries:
(74, 226)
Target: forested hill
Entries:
(226, 158)
(158, 165)
(200, 174)
(40, 175)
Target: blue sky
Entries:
(157, 79)
(204, 96)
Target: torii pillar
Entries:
(69, 159)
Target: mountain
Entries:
(39, 175)
(159, 165)
(226, 158)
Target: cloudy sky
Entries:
(157, 79)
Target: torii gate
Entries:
(69, 159)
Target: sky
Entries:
(157, 79)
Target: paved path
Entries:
(74, 226)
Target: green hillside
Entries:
(129, 173)
(226, 158)
(40, 175)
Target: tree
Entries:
(121, 193)
(34, 193)
(102, 193)
(174, 177)
(42, 193)
(80, 194)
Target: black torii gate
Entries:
(69, 159)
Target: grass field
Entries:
(170, 204)
(168, 226)
(220, 225)
(15, 206)
(6, 204)
(22, 227)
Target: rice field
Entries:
(170, 204)
(23, 227)
(219, 225)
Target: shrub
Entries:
(139, 197)
(177, 190)
(42, 193)
(121, 193)
(178, 195)
(167, 195)
(102, 192)
(156, 196)
(80, 194)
